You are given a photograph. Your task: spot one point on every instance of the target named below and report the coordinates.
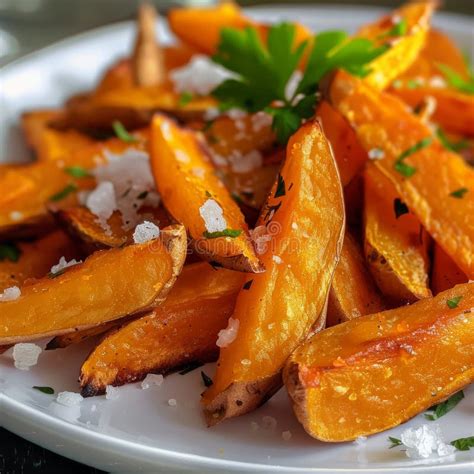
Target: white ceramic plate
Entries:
(139, 431)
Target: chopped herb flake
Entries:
(70, 188)
(185, 98)
(453, 302)
(400, 165)
(459, 193)
(463, 444)
(56, 274)
(206, 380)
(208, 194)
(450, 145)
(47, 390)
(398, 29)
(142, 195)
(442, 408)
(400, 208)
(122, 133)
(413, 84)
(280, 190)
(456, 81)
(77, 172)
(394, 441)
(215, 265)
(222, 233)
(189, 368)
(247, 285)
(9, 251)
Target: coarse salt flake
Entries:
(145, 232)
(63, 264)
(200, 76)
(213, 216)
(102, 202)
(69, 399)
(260, 237)
(112, 393)
(245, 163)
(172, 402)
(16, 216)
(227, 336)
(376, 154)
(10, 294)
(25, 355)
(423, 442)
(277, 259)
(152, 379)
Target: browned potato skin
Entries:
(97, 288)
(375, 372)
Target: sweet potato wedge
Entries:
(181, 331)
(445, 273)
(395, 244)
(81, 223)
(404, 47)
(304, 217)
(36, 258)
(186, 180)
(436, 184)
(454, 110)
(349, 154)
(377, 371)
(96, 291)
(353, 292)
(47, 143)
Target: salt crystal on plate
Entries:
(152, 379)
(25, 355)
(227, 336)
(286, 435)
(254, 425)
(93, 408)
(112, 393)
(62, 264)
(172, 402)
(10, 294)
(145, 232)
(69, 399)
(200, 76)
(213, 216)
(424, 441)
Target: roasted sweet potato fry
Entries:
(81, 223)
(349, 154)
(435, 183)
(95, 291)
(304, 217)
(396, 245)
(33, 260)
(445, 273)
(375, 372)
(353, 292)
(147, 59)
(405, 42)
(188, 185)
(454, 111)
(181, 331)
(47, 143)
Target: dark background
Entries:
(49, 22)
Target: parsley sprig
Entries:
(463, 444)
(262, 72)
(437, 411)
(9, 251)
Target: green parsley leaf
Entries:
(400, 208)
(455, 80)
(190, 367)
(206, 380)
(459, 193)
(453, 302)
(463, 444)
(70, 188)
(280, 190)
(77, 172)
(405, 169)
(247, 285)
(450, 145)
(9, 251)
(413, 84)
(122, 133)
(394, 441)
(442, 408)
(222, 233)
(285, 122)
(398, 29)
(185, 98)
(47, 390)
